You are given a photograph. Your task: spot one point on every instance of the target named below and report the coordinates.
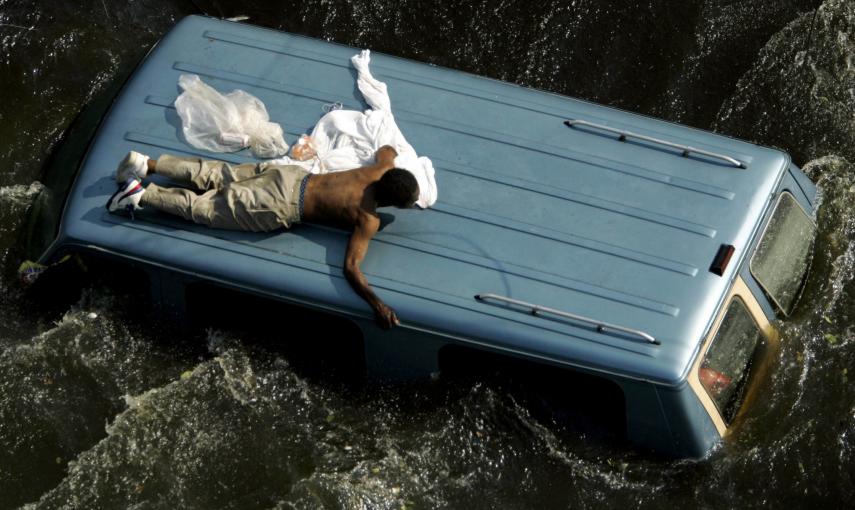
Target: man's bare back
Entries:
(351, 198)
(341, 197)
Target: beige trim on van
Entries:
(741, 290)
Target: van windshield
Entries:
(784, 252)
(726, 368)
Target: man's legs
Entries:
(210, 208)
(202, 174)
(219, 206)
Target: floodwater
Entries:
(101, 409)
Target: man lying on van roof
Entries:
(264, 196)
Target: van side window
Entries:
(317, 344)
(726, 368)
(588, 404)
(783, 255)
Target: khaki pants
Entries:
(254, 197)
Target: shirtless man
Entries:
(264, 197)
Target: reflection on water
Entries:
(101, 408)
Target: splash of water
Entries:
(800, 94)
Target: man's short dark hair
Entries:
(397, 188)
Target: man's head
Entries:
(397, 188)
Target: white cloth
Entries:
(346, 139)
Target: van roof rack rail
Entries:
(687, 150)
(600, 326)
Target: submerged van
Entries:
(642, 254)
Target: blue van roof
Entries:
(570, 219)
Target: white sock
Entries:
(144, 171)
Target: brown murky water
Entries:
(99, 410)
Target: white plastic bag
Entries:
(226, 123)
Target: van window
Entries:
(579, 402)
(727, 365)
(783, 255)
(319, 345)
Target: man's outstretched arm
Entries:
(366, 226)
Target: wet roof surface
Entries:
(566, 218)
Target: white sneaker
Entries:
(127, 197)
(133, 166)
